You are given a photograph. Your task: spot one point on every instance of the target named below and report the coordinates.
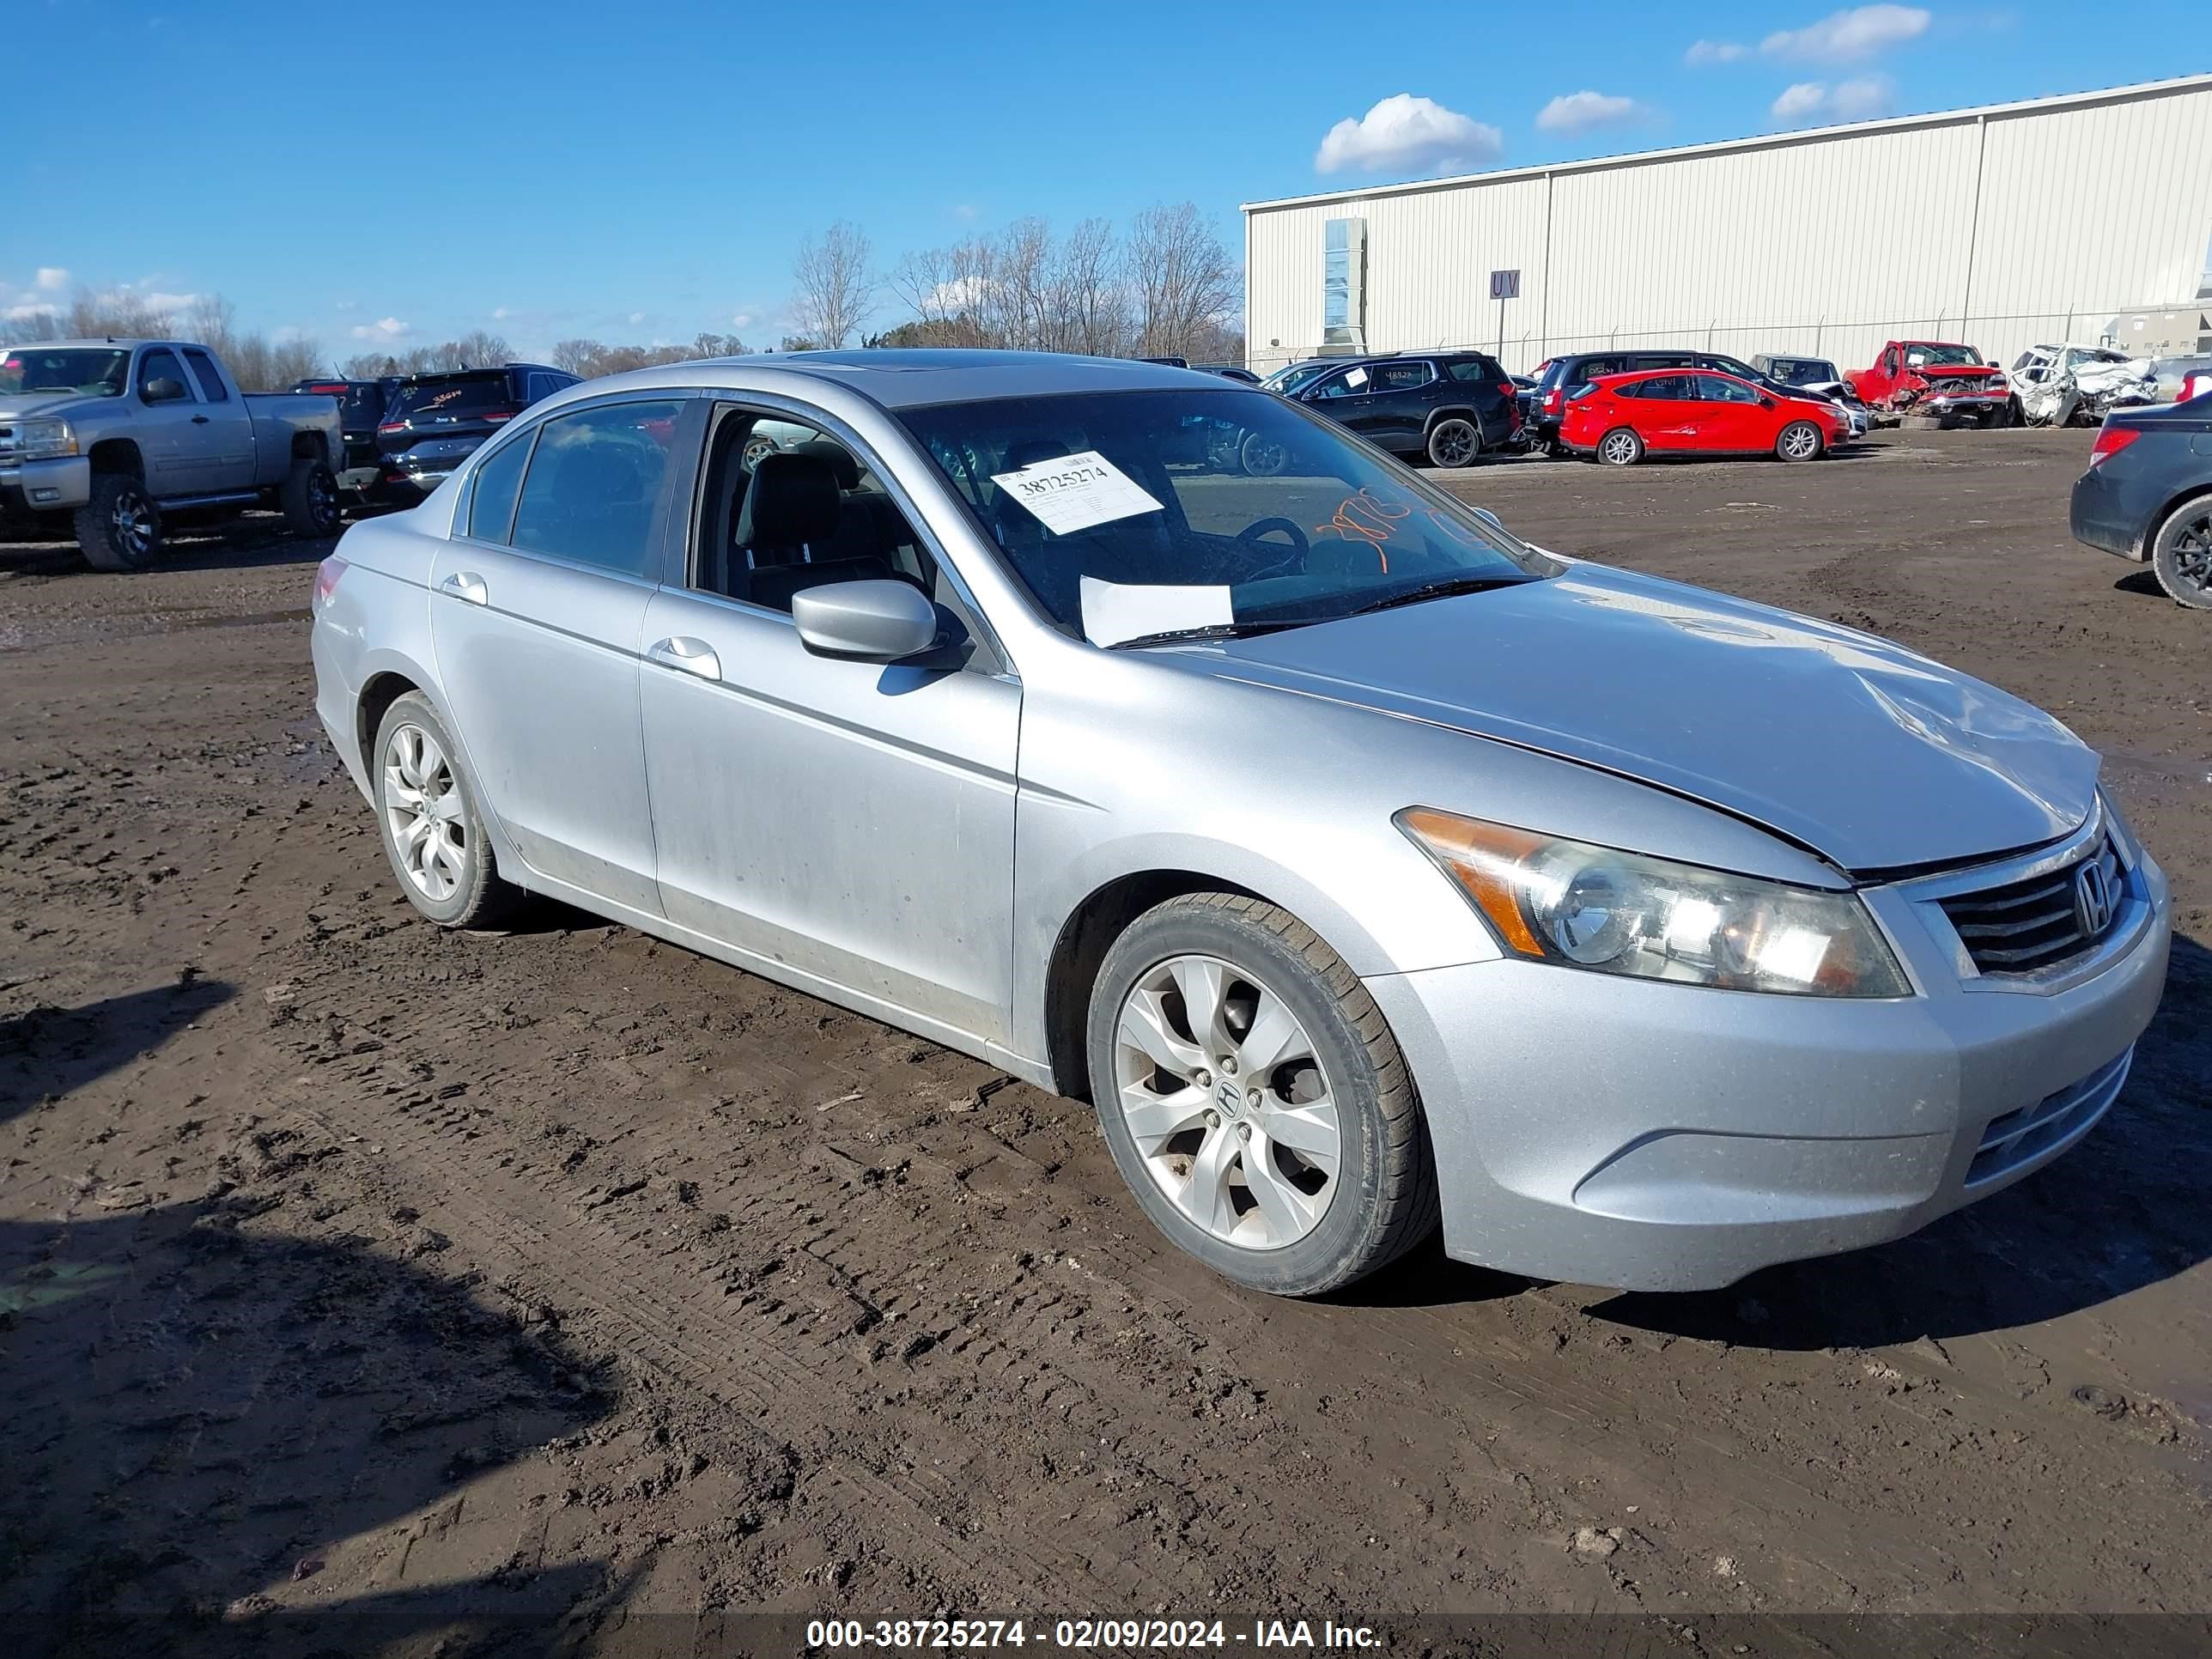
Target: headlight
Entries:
(2121, 831)
(1580, 906)
(44, 441)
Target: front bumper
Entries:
(1654, 1137)
(60, 485)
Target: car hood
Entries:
(1958, 372)
(1871, 756)
(20, 404)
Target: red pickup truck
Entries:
(1934, 377)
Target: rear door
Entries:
(847, 823)
(537, 610)
(1665, 416)
(226, 429)
(1404, 393)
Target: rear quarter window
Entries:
(491, 497)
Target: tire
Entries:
(2181, 554)
(1619, 447)
(1263, 457)
(1303, 1228)
(464, 889)
(309, 496)
(1454, 441)
(120, 527)
(1800, 440)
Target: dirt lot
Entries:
(346, 1265)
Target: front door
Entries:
(1730, 417)
(537, 616)
(850, 823)
(169, 427)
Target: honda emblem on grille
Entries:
(2093, 897)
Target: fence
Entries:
(1848, 343)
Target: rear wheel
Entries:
(430, 821)
(1454, 442)
(1263, 456)
(2181, 554)
(120, 527)
(1254, 1099)
(309, 496)
(1798, 441)
(1620, 447)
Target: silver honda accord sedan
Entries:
(1367, 868)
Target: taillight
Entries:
(326, 579)
(392, 426)
(496, 418)
(2111, 441)
(1551, 401)
(1508, 388)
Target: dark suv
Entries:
(1449, 405)
(434, 421)
(1562, 376)
(361, 404)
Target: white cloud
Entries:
(966, 210)
(1578, 112)
(1716, 51)
(636, 318)
(1863, 98)
(742, 319)
(383, 329)
(53, 279)
(955, 293)
(499, 313)
(23, 313)
(1406, 134)
(162, 301)
(1848, 36)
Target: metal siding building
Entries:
(2003, 227)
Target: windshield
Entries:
(1943, 357)
(427, 400)
(1226, 509)
(92, 371)
(1803, 371)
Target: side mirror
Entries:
(1766, 402)
(163, 390)
(875, 620)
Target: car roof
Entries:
(913, 379)
(99, 342)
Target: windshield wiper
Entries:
(1443, 589)
(1230, 630)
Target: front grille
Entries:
(7, 446)
(2027, 925)
(2023, 1136)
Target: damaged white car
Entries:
(2078, 385)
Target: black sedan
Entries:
(2148, 495)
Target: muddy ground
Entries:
(565, 1277)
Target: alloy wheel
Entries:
(423, 811)
(1227, 1102)
(1620, 449)
(1801, 443)
(2192, 554)
(323, 498)
(131, 521)
(1452, 444)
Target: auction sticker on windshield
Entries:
(1075, 492)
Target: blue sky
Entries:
(364, 173)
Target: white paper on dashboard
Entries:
(1358, 377)
(1113, 611)
(1074, 492)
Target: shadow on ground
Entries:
(49, 1051)
(196, 1412)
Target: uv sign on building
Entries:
(2003, 227)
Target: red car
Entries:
(1620, 418)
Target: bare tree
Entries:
(1181, 278)
(577, 356)
(1092, 312)
(834, 285)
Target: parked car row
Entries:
(2147, 496)
(405, 434)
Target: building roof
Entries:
(1762, 141)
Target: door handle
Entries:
(199, 420)
(466, 584)
(691, 656)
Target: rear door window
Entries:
(1668, 388)
(208, 376)
(491, 497)
(1401, 377)
(593, 490)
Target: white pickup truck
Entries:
(118, 433)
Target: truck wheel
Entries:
(120, 527)
(1799, 441)
(2181, 554)
(1454, 442)
(309, 496)
(1254, 1099)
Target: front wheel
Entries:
(1798, 441)
(120, 527)
(1263, 457)
(309, 496)
(1253, 1099)
(2181, 554)
(1454, 442)
(1620, 447)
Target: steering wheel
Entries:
(1251, 535)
